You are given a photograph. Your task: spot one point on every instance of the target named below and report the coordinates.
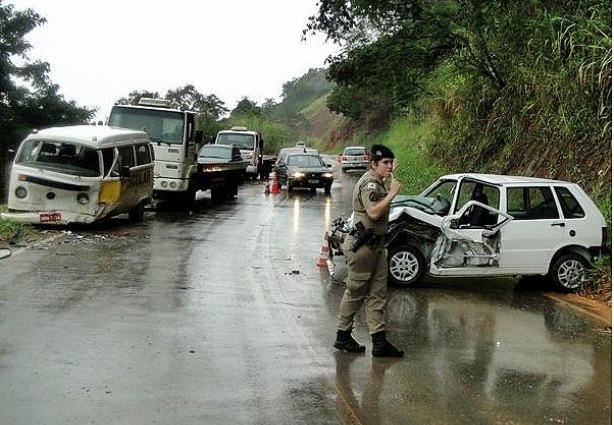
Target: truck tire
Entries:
(215, 195)
(138, 213)
(190, 195)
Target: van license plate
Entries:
(46, 217)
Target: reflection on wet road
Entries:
(221, 316)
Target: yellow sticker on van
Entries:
(109, 191)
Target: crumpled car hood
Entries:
(432, 219)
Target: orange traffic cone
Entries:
(275, 186)
(322, 262)
(267, 187)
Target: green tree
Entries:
(246, 107)
(28, 99)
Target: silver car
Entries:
(354, 158)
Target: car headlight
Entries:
(83, 199)
(21, 192)
(298, 175)
(327, 175)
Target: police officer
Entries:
(368, 266)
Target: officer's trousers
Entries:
(366, 284)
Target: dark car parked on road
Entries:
(304, 170)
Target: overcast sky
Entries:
(101, 50)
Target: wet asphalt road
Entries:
(221, 316)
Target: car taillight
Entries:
(367, 156)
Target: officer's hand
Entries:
(395, 186)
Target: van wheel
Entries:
(406, 265)
(568, 272)
(138, 213)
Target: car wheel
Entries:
(288, 185)
(138, 213)
(327, 189)
(568, 272)
(406, 265)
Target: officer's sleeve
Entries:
(370, 194)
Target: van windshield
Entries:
(243, 141)
(63, 157)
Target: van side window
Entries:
(142, 154)
(531, 203)
(126, 156)
(569, 204)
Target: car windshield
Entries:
(213, 151)
(242, 140)
(305, 161)
(444, 190)
(354, 152)
(63, 157)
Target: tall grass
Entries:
(408, 137)
(11, 230)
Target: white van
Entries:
(80, 174)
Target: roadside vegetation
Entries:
(11, 231)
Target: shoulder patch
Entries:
(371, 186)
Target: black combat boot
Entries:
(346, 342)
(383, 348)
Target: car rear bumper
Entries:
(354, 165)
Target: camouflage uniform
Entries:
(367, 267)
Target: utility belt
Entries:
(363, 236)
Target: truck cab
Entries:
(251, 144)
(176, 139)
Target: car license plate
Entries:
(47, 217)
(313, 181)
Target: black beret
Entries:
(380, 151)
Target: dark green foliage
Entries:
(300, 92)
(28, 99)
(246, 107)
(514, 87)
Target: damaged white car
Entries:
(491, 225)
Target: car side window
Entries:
(126, 156)
(142, 154)
(569, 204)
(531, 203)
(473, 191)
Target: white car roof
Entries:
(504, 180)
(95, 136)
